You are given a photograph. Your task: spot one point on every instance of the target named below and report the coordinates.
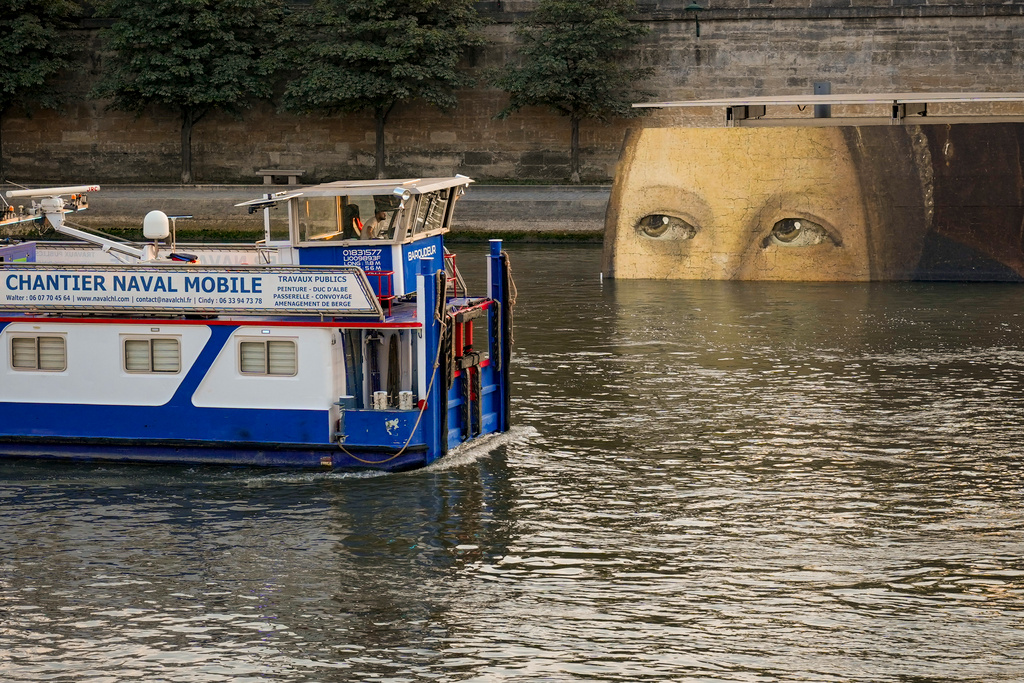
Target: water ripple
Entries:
(706, 482)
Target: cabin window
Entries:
(268, 357)
(39, 353)
(152, 355)
(320, 218)
(388, 205)
(332, 219)
(430, 213)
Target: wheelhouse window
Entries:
(156, 355)
(39, 353)
(320, 218)
(430, 214)
(268, 357)
(349, 217)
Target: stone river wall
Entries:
(745, 47)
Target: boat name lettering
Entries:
(331, 291)
(425, 252)
(143, 283)
(57, 283)
(224, 284)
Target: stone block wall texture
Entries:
(746, 47)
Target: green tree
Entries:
(34, 47)
(573, 58)
(191, 56)
(359, 55)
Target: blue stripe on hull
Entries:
(169, 421)
(219, 335)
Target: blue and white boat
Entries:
(347, 345)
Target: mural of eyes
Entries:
(662, 226)
(798, 232)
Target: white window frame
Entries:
(36, 338)
(150, 339)
(266, 355)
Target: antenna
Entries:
(52, 205)
(53, 191)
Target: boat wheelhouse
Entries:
(352, 343)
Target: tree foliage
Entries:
(369, 55)
(573, 58)
(190, 56)
(34, 47)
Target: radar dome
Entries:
(156, 226)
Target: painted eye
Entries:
(661, 226)
(798, 232)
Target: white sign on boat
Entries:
(309, 290)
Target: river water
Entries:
(706, 482)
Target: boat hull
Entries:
(296, 362)
(211, 453)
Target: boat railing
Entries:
(385, 286)
(453, 276)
